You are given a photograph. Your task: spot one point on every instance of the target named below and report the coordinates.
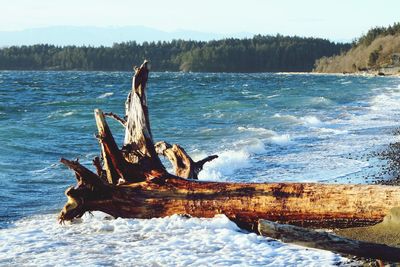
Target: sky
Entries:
(336, 20)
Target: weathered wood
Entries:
(323, 240)
(97, 165)
(116, 117)
(182, 163)
(90, 188)
(84, 175)
(198, 165)
(139, 84)
(138, 138)
(116, 167)
(303, 204)
(113, 161)
(136, 111)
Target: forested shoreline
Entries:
(258, 54)
(377, 51)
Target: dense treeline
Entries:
(259, 54)
(377, 51)
(373, 33)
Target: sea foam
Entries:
(231, 160)
(227, 163)
(179, 241)
(269, 136)
(310, 121)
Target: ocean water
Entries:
(265, 128)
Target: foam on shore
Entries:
(179, 241)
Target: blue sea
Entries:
(264, 127)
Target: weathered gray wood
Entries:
(109, 149)
(116, 117)
(182, 163)
(115, 166)
(326, 241)
(138, 141)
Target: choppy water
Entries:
(265, 127)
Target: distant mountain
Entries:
(97, 36)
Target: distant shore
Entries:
(385, 73)
(388, 71)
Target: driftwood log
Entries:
(131, 182)
(327, 241)
(311, 205)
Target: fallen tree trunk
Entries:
(305, 204)
(326, 241)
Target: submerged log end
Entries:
(326, 241)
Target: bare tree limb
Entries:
(116, 117)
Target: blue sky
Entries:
(335, 20)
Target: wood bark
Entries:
(112, 157)
(303, 204)
(327, 241)
(137, 133)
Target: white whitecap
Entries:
(273, 96)
(252, 146)
(106, 95)
(60, 113)
(227, 163)
(346, 82)
(289, 118)
(257, 96)
(333, 131)
(258, 130)
(310, 121)
(67, 114)
(321, 101)
(283, 139)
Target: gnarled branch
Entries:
(115, 117)
(182, 163)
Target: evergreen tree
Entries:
(258, 54)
